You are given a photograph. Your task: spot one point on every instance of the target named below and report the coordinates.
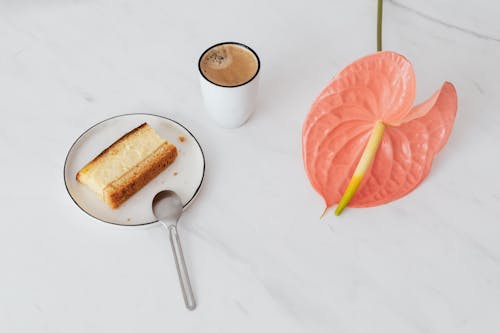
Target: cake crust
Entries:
(118, 191)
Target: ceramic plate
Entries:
(184, 176)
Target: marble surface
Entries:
(260, 258)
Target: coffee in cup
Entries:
(229, 64)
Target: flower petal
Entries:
(383, 82)
(328, 138)
(408, 150)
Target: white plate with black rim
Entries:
(184, 176)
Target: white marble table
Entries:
(259, 257)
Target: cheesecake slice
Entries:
(127, 165)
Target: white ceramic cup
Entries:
(230, 106)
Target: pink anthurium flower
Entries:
(364, 143)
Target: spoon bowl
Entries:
(167, 207)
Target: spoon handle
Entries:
(187, 292)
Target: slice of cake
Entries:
(127, 165)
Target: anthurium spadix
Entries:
(364, 143)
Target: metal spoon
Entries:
(167, 207)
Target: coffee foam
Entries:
(218, 58)
(229, 65)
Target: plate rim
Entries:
(123, 115)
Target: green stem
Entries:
(379, 25)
